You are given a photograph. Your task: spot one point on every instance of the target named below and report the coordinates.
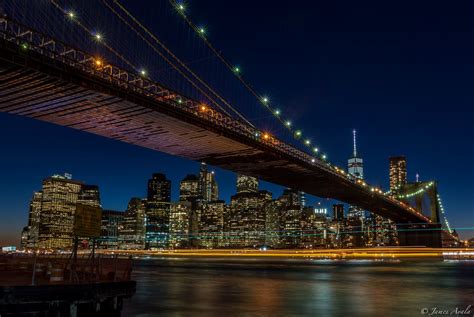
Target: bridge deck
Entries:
(40, 87)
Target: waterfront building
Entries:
(272, 223)
(397, 173)
(180, 224)
(157, 212)
(290, 218)
(52, 212)
(111, 225)
(338, 212)
(58, 205)
(385, 232)
(352, 235)
(247, 219)
(314, 228)
(211, 226)
(132, 231)
(31, 232)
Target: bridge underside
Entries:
(35, 87)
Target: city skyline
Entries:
(394, 115)
(180, 157)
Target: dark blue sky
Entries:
(401, 73)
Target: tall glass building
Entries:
(158, 212)
(397, 173)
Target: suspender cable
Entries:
(155, 39)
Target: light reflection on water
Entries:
(256, 287)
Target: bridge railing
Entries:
(28, 39)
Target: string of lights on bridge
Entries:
(237, 71)
(440, 203)
(417, 192)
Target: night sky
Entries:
(401, 73)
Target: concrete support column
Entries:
(426, 235)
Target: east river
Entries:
(260, 287)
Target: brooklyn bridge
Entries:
(98, 89)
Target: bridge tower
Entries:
(423, 196)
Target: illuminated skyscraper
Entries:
(189, 188)
(355, 164)
(180, 224)
(32, 230)
(272, 223)
(52, 211)
(159, 188)
(355, 168)
(110, 228)
(247, 184)
(89, 195)
(247, 218)
(157, 212)
(211, 224)
(338, 212)
(290, 218)
(398, 173)
(207, 184)
(132, 231)
(58, 205)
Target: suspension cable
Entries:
(134, 67)
(166, 49)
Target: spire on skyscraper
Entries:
(355, 144)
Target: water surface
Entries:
(256, 287)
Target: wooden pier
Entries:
(59, 285)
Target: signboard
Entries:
(87, 221)
(9, 249)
